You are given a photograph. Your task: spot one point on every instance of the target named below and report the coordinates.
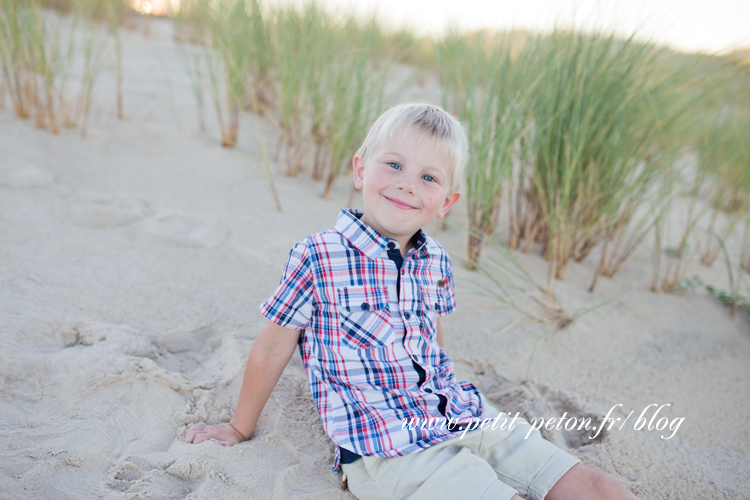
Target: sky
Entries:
(709, 26)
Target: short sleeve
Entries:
(292, 304)
(438, 295)
(449, 295)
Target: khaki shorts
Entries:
(494, 464)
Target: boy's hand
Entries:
(270, 354)
(225, 434)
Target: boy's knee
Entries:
(601, 482)
(583, 481)
(605, 486)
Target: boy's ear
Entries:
(358, 167)
(450, 200)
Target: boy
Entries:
(362, 301)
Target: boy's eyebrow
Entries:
(433, 167)
(437, 170)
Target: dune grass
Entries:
(505, 284)
(601, 113)
(293, 34)
(357, 96)
(330, 85)
(93, 56)
(38, 53)
(316, 77)
(582, 133)
(19, 33)
(724, 152)
(681, 186)
(477, 76)
(114, 12)
(738, 275)
(225, 45)
(713, 179)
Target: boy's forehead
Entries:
(412, 136)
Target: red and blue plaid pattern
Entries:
(359, 337)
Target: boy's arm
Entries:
(439, 333)
(268, 357)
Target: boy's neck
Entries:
(405, 244)
(406, 247)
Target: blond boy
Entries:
(362, 302)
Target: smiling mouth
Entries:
(399, 204)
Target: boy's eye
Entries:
(429, 178)
(393, 164)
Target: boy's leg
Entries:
(446, 470)
(537, 468)
(484, 464)
(583, 483)
(520, 456)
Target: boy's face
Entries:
(406, 183)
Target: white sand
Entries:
(132, 266)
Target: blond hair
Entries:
(430, 121)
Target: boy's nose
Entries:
(407, 183)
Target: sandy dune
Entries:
(132, 265)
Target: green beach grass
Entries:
(39, 51)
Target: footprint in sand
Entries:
(95, 208)
(169, 475)
(535, 401)
(124, 476)
(27, 178)
(22, 377)
(184, 230)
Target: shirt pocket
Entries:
(364, 316)
(434, 303)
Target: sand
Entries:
(132, 266)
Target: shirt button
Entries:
(391, 245)
(407, 315)
(365, 306)
(428, 390)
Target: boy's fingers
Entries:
(194, 433)
(191, 432)
(202, 432)
(204, 436)
(196, 428)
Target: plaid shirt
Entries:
(360, 340)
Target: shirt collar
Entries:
(366, 239)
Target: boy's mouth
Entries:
(399, 204)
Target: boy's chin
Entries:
(401, 232)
